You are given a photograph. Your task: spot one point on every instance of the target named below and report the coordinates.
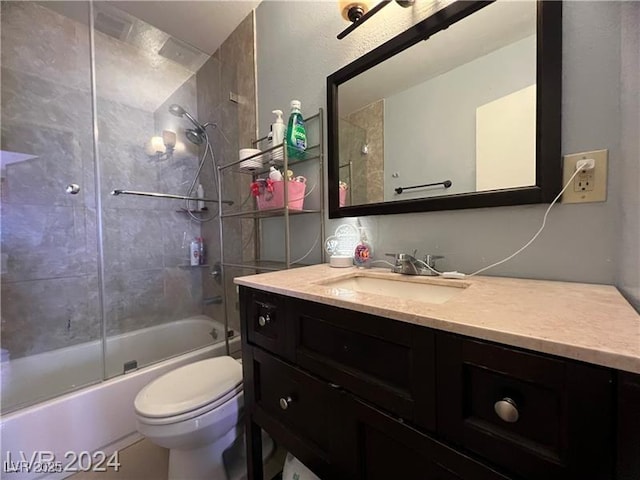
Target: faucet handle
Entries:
(400, 260)
(399, 257)
(431, 259)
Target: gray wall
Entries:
(628, 259)
(579, 242)
(447, 147)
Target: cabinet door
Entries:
(534, 415)
(376, 446)
(388, 363)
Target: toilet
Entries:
(196, 412)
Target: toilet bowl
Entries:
(196, 412)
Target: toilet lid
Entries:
(190, 387)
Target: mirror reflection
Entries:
(455, 114)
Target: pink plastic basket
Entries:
(343, 197)
(268, 200)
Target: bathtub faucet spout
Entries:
(216, 300)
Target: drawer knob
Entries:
(285, 402)
(507, 410)
(263, 320)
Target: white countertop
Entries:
(591, 323)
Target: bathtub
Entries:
(99, 417)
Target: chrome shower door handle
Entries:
(73, 189)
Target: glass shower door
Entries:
(353, 170)
(154, 306)
(51, 322)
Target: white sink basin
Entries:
(404, 287)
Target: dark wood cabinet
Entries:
(628, 427)
(360, 397)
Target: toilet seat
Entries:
(189, 391)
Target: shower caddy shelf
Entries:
(312, 153)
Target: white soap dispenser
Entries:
(278, 129)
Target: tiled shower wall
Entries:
(49, 243)
(231, 70)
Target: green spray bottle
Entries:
(296, 132)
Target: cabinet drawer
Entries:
(376, 446)
(265, 319)
(537, 416)
(300, 402)
(388, 363)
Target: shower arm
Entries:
(166, 195)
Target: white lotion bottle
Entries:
(278, 129)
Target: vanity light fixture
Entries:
(163, 146)
(357, 12)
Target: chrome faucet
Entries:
(409, 265)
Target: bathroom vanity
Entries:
(496, 379)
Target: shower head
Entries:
(178, 111)
(195, 135)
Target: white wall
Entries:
(296, 51)
(506, 141)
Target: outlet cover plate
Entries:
(590, 186)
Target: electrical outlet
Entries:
(584, 181)
(588, 185)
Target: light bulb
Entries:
(353, 10)
(155, 146)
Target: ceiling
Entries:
(203, 24)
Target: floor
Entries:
(145, 461)
(141, 461)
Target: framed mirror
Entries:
(463, 110)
